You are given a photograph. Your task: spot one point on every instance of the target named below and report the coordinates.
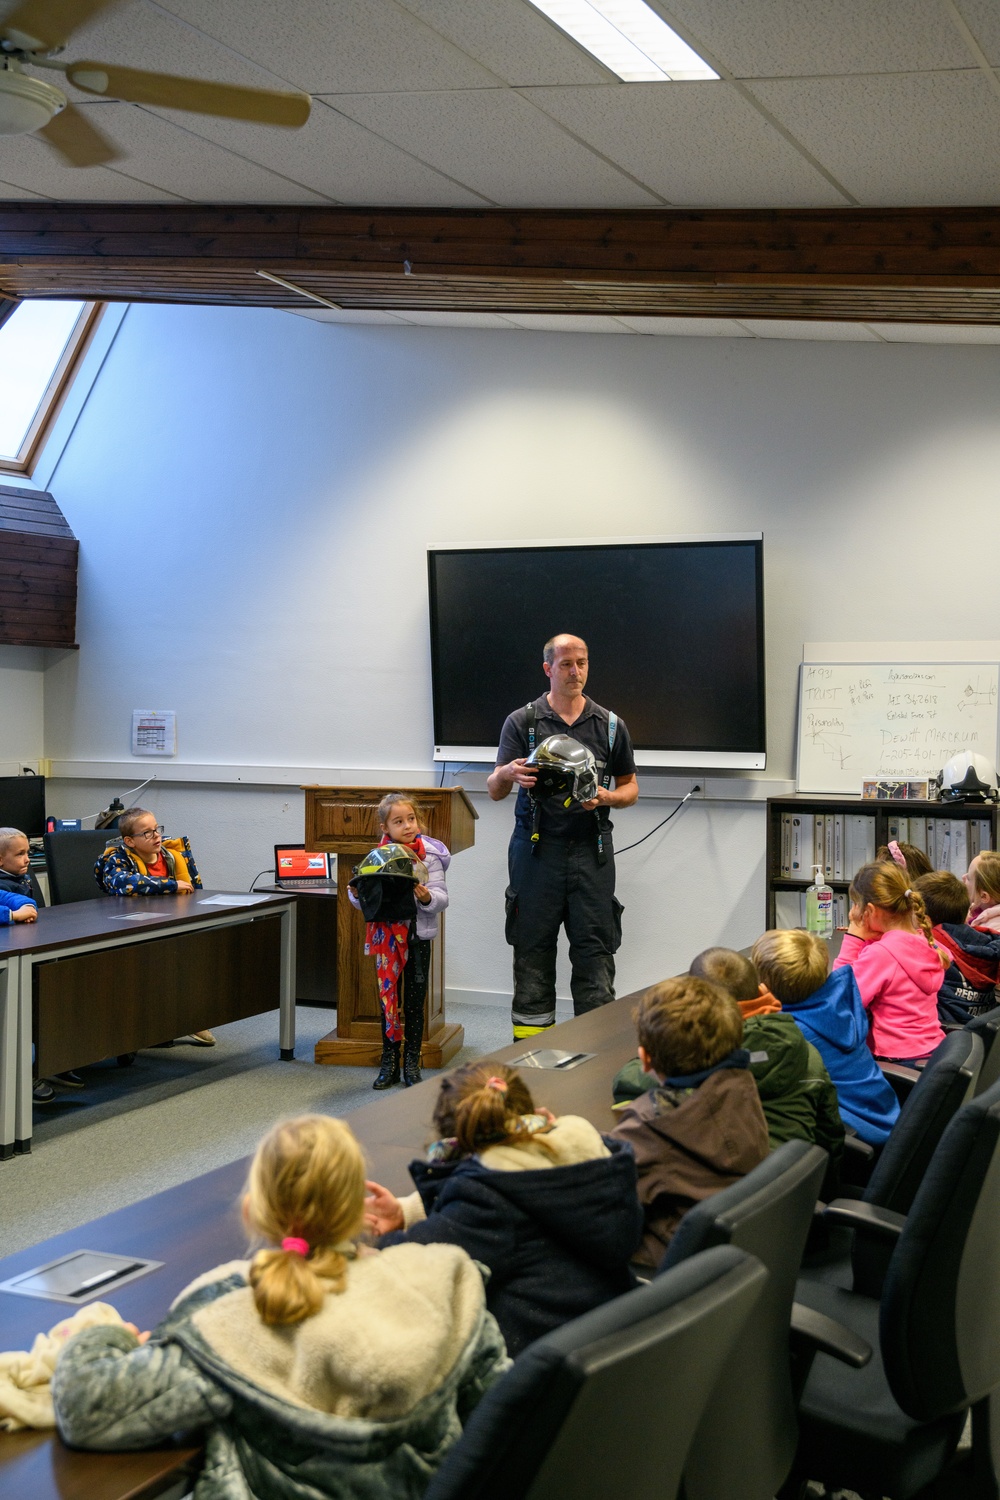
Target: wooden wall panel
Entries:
(38, 570)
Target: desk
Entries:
(315, 945)
(196, 1225)
(99, 978)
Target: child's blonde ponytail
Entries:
(306, 1196)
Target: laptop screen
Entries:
(292, 862)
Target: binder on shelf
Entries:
(803, 833)
(786, 846)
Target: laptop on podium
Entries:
(295, 869)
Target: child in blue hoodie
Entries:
(16, 904)
(828, 1009)
(549, 1205)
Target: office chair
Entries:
(892, 1427)
(607, 1404)
(70, 860)
(944, 1085)
(986, 1027)
(767, 1214)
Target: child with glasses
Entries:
(141, 862)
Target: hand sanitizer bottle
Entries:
(819, 905)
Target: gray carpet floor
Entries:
(180, 1111)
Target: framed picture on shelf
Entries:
(884, 791)
(918, 791)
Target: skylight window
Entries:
(39, 344)
(628, 37)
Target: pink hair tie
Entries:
(897, 853)
(498, 1084)
(294, 1246)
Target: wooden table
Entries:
(100, 978)
(196, 1225)
(315, 944)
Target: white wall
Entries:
(22, 685)
(227, 461)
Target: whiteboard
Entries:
(877, 720)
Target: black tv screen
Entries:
(675, 631)
(22, 804)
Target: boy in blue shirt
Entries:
(17, 901)
(795, 967)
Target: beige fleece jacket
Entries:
(372, 1351)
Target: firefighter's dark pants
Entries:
(560, 882)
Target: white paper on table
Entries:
(138, 916)
(247, 900)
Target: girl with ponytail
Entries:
(898, 966)
(318, 1369)
(549, 1205)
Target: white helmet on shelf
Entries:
(968, 777)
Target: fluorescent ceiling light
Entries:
(628, 37)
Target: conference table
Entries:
(105, 978)
(197, 1225)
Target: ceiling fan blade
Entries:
(51, 22)
(265, 105)
(77, 141)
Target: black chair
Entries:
(767, 1214)
(892, 1428)
(986, 1027)
(607, 1404)
(859, 1260)
(70, 860)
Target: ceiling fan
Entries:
(35, 31)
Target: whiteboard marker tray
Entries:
(550, 1057)
(79, 1277)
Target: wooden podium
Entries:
(342, 820)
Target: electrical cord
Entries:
(140, 788)
(254, 881)
(686, 798)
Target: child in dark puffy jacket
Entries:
(17, 900)
(828, 1009)
(969, 985)
(701, 1127)
(547, 1204)
(796, 1092)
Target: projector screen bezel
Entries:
(648, 759)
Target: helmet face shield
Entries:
(565, 771)
(383, 883)
(388, 859)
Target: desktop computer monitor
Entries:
(22, 804)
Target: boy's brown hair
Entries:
(687, 1024)
(945, 896)
(129, 818)
(734, 971)
(792, 963)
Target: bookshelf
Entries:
(783, 890)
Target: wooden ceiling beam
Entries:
(810, 263)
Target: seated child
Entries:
(982, 881)
(968, 988)
(827, 1008)
(318, 1367)
(141, 862)
(911, 860)
(15, 880)
(899, 970)
(547, 1204)
(701, 1128)
(798, 1099)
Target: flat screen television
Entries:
(675, 629)
(22, 804)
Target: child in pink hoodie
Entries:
(896, 963)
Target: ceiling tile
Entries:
(937, 333)
(898, 141)
(455, 319)
(326, 46)
(9, 191)
(698, 328)
(338, 158)
(28, 162)
(779, 38)
(566, 323)
(168, 156)
(512, 39)
(496, 142)
(793, 328)
(346, 315)
(983, 19)
(697, 144)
